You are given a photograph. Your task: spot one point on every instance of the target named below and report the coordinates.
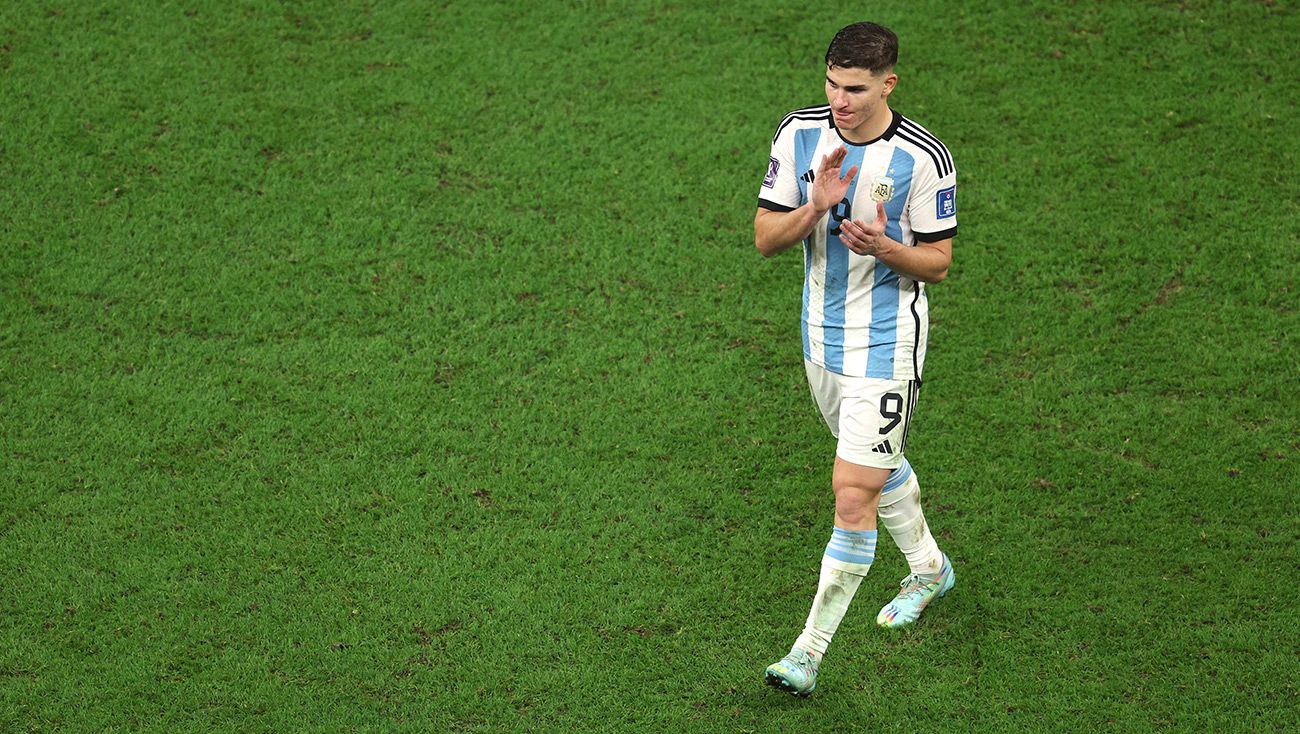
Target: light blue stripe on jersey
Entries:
(837, 272)
(898, 476)
(805, 145)
(883, 334)
(852, 546)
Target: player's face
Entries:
(857, 97)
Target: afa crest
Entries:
(882, 188)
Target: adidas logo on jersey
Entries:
(808, 176)
(883, 448)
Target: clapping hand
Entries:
(829, 187)
(866, 238)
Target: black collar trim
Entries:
(895, 120)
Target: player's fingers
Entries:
(872, 228)
(848, 176)
(860, 228)
(833, 159)
(881, 219)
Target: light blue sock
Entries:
(852, 551)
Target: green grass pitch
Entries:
(408, 366)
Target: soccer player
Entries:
(872, 197)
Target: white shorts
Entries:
(869, 416)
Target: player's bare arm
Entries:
(927, 262)
(775, 231)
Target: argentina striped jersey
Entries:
(860, 318)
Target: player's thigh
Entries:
(873, 422)
(826, 392)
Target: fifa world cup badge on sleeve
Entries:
(773, 167)
(882, 188)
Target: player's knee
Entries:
(854, 504)
(848, 515)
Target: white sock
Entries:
(846, 561)
(900, 513)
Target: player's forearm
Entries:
(924, 262)
(776, 231)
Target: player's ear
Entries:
(890, 81)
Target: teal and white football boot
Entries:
(914, 594)
(795, 673)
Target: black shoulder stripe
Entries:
(934, 155)
(808, 113)
(792, 117)
(924, 134)
(814, 110)
(922, 137)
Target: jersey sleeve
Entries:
(780, 190)
(933, 205)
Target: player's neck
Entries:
(872, 129)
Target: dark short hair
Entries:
(863, 46)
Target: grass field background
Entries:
(409, 367)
